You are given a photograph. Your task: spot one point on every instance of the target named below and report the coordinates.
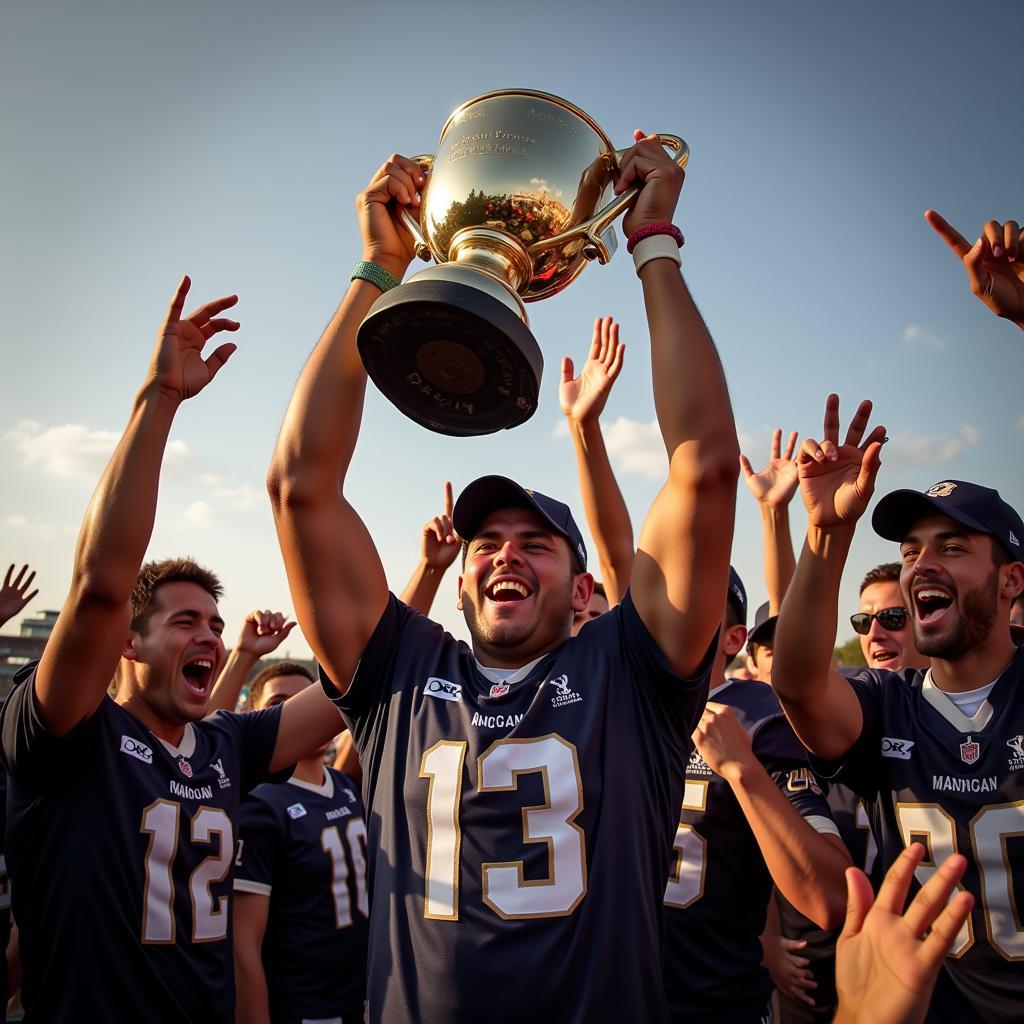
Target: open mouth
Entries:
(198, 675)
(931, 603)
(880, 656)
(507, 591)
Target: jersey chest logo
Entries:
(185, 767)
(1016, 760)
(443, 689)
(970, 751)
(565, 694)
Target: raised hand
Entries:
(178, 368)
(13, 594)
(777, 482)
(441, 543)
(648, 164)
(721, 740)
(837, 480)
(263, 632)
(887, 960)
(386, 242)
(994, 264)
(583, 398)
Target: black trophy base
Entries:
(451, 357)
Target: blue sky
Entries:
(227, 140)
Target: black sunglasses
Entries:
(892, 619)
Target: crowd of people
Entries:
(618, 802)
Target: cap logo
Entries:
(943, 490)
(529, 491)
(1013, 539)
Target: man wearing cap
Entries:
(752, 815)
(937, 756)
(522, 792)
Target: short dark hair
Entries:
(765, 635)
(170, 570)
(732, 616)
(599, 589)
(274, 671)
(887, 572)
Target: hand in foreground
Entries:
(178, 368)
(583, 398)
(887, 960)
(386, 242)
(994, 264)
(837, 481)
(721, 740)
(263, 632)
(648, 164)
(441, 543)
(788, 970)
(13, 596)
(776, 484)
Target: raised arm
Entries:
(807, 866)
(994, 264)
(261, 634)
(14, 593)
(682, 562)
(83, 652)
(440, 547)
(773, 489)
(582, 400)
(836, 482)
(335, 574)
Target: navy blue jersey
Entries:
(719, 886)
(928, 773)
(520, 830)
(120, 850)
(303, 846)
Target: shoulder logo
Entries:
(296, 811)
(137, 749)
(565, 693)
(1016, 760)
(970, 751)
(185, 767)
(218, 766)
(892, 747)
(697, 765)
(942, 490)
(443, 689)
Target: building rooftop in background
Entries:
(41, 625)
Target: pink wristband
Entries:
(662, 228)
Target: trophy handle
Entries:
(591, 231)
(411, 223)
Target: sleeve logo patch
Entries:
(900, 749)
(443, 689)
(296, 811)
(137, 749)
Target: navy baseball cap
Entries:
(489, 493)
(978, 508)
(737, 595)
(763, 631)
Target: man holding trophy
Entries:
(522, 793)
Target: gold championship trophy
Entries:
(513, 208)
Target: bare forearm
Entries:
(231, 680)
(322, 423)
(420, 591)
(805, 866)
(690, 394)
(779, 559)
(252, 1003)
(605, 508)
(806, 631)
(119, 521)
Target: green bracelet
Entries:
(378, 276)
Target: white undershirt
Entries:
(507, 675)
(969, 701)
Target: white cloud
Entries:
(1020, 424)
(44, 531)
(923, 337)
(239, 495)
(561, 428)
(932, 449)
(73, 451)
(199, 514)
(636, 447)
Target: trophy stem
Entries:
(494, 253)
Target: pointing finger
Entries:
(948, 233)
(448, 501)
(831, 426)
(178, 302)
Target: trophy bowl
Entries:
(517, 202)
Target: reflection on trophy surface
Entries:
(511, 213)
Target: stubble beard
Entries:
(978, 610)
(504, 635)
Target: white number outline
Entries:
(695, 798)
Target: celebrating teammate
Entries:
(522, 794)
(301, 905)
(122, 813)
(882, 621)
(936, 756)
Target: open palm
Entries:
(777, 482)
(583, 398)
